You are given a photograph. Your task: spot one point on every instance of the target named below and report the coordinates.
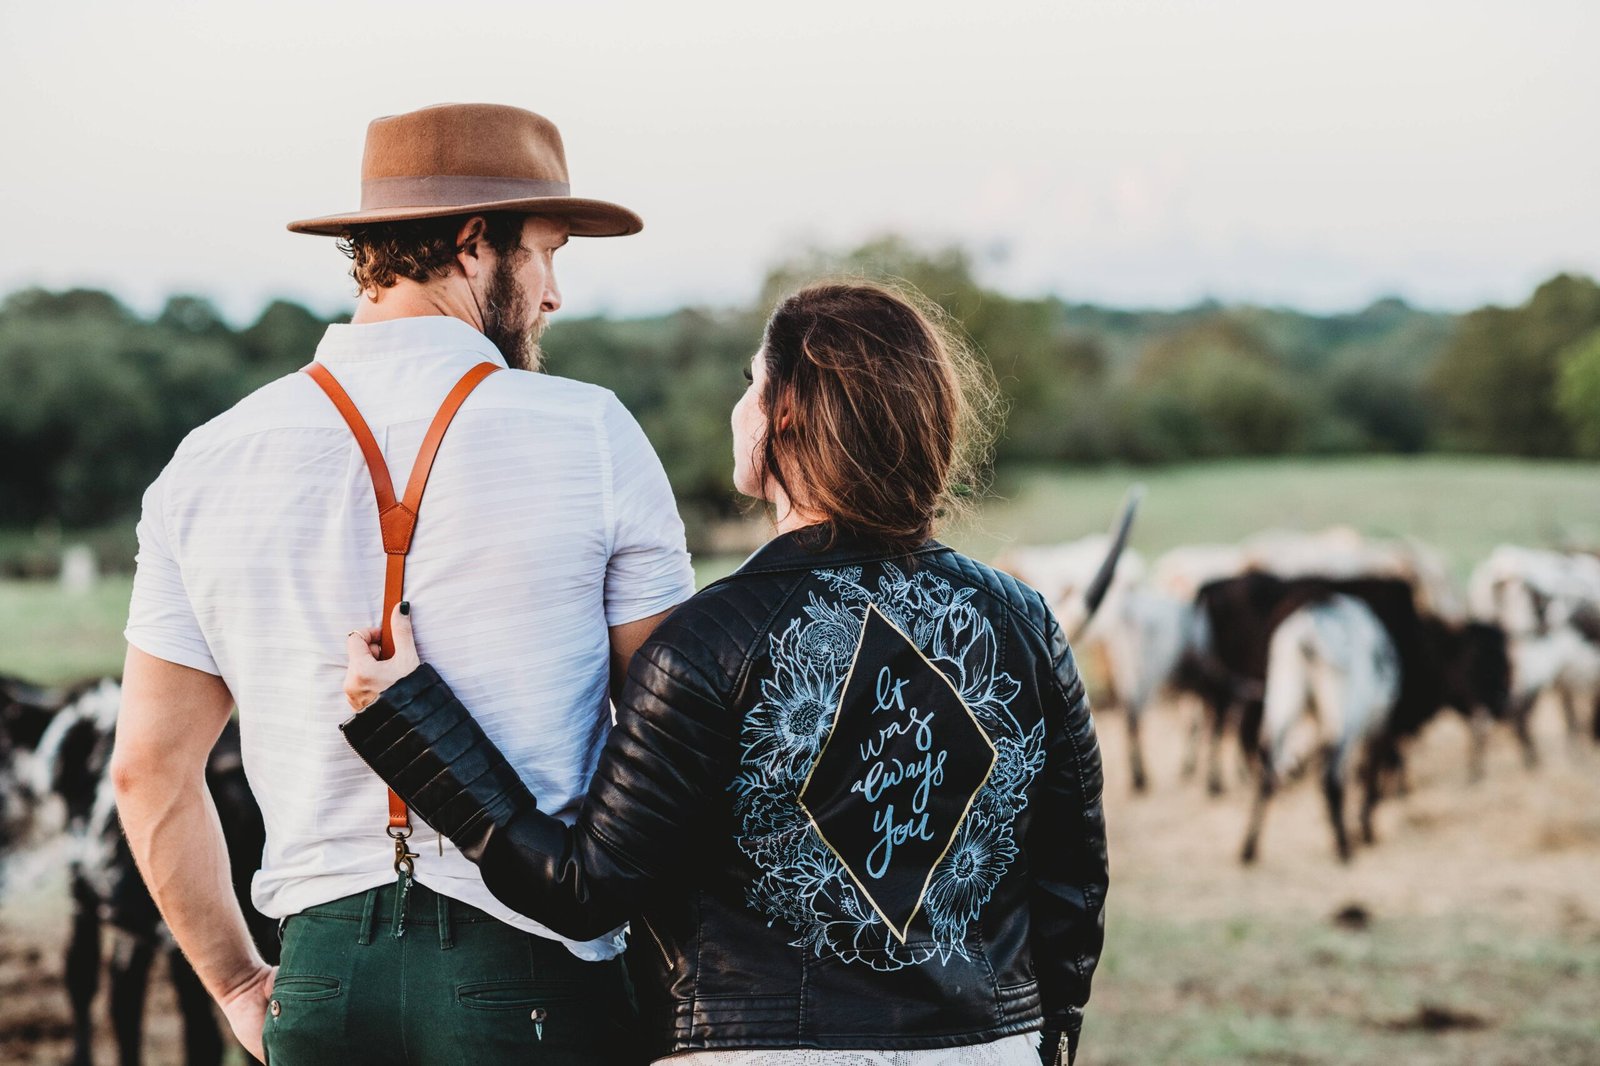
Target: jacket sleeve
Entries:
(664, 765)
(1067, 850)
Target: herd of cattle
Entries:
(1330, 648)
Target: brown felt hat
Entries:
(456, 159)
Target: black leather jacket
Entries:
(852, 800)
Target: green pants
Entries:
(435, 982)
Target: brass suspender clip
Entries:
(402, 854)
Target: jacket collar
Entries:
(810, 549)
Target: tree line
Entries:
(96, 396)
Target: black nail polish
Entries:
(405, 606)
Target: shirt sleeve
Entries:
(649, 570)
(161, 620)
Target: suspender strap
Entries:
(397, 518)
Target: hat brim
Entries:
(588, 218)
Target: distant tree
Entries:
(944, 275)
(282, 340)
(1218, 337)
(192, 315)
(73, 304)
(1578, 393)
(1496, 380)
(1052, 381)
(1215, 387)
(1383, 404)
(97, 399)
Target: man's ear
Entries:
(468, 239)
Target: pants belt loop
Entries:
(369, 910)
(447, 933)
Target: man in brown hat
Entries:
(547, 550)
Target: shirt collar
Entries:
(400, 337)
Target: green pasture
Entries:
(1461, 506)
(50, 637)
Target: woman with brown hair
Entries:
(852, 800)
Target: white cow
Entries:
(1147, 638)
(1342, 552)
(1181, 572)
(1064, 572)
(1530, 590)
(1333, 678)
(1548, 603)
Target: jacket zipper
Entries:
(666, 958)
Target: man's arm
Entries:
(171, 717)
(625, 640)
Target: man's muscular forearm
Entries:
(170, 718)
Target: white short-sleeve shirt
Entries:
(547, 519)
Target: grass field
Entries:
(1461, 506)
(1470, 934)
(50, 637)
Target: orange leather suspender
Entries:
(398, 521)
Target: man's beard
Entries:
(506, 321)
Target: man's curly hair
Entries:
(381, 253)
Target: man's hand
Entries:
(246, 1009)
(367, 675)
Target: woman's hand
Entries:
(367, 677)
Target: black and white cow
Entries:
(1331, 661)
(1442, 664)
(65, 762)
(26, 711)
(1338, 688)
(1339, 635)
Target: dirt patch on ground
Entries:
(1469, 933)
(1514, 845)
(1432, 1018)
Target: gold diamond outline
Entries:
(994, 757)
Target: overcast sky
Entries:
(1126, 151)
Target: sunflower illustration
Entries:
(965, 879)
(784, 732)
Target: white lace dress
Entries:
(1019, 1050)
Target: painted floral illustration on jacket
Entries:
(803, 882)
